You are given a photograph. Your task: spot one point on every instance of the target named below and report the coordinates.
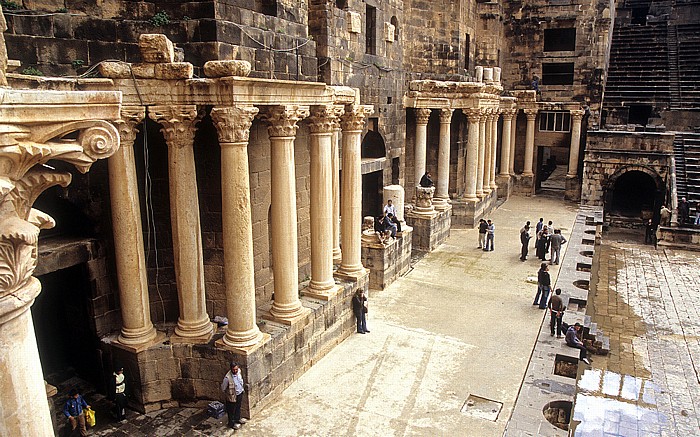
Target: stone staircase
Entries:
(688, 36)
(686, 151)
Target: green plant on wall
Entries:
(31, 71)
(10, 5)
(77, 63)
(160, 19)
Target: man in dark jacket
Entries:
(525, 241)
(359, 308)
(74, 411)
(426, 181)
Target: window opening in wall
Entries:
(639, 15)
(373, 124)
(395, 171)
(269, 7)
(467, 44)
(639, 114)
(558, 73)
(371, 30)
(395, 22)
(341, 4)
(555, 121)
(559, 40)
(388, 100)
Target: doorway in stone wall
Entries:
(551, 171)
(372, 189)
(632, 197)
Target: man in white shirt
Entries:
(389, 208)
(232, 385)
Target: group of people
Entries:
(487, 232)
(548, 239)
(387, 225)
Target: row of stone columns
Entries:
(482, 140)
(233, 126)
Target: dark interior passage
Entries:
(634, 192)
(371, 194)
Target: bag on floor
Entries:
(90, 417)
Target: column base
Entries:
(243, 350)
(337, 256)
(326, 295)
(288, 316)
(352, 275)
(193, 329)
(241, 340)
(440, 203)
(198, 339)
(140, 347)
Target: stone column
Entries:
(576, 117)
(282, 128)
(474, 117)
(494, 147)
(442, 197)
(422, 116)
(488, 130)
(335, 162)
(529, 141)
(137, 328)
(322, 125)
(233, 129)
(352, 123)
(505, 142)
(513, 135)
(178, 129)
(482, 151)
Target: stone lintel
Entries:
(136, 348)
(203, 339)
(58, 106)
(246, 351)
(324, 295)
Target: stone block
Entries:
(175, 70)
(156, 48)
(156, 391)
(226, 68)
(168, 369)
(389, 32)
(354, 22)
(143, 71)
(114, 70)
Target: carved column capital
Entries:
(473, 114)
(324, 118)
(131, 117)
(355, 117)
(509, 113)
(446, 115)
(233, 123)
(283, 120)
(577, 115)
(338, 111)
(422, 115)
(531, 114)
(177, 123)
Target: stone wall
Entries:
(386, 263)
(179, 374)
(682, 238)
(429, 231)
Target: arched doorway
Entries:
(373, 164)
(633, 196)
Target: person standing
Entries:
(73, 410)
(572, 340)
(524, 241)
(650, 232)
(665, 216)
(490, 234)
(359, 308)
(555, 242)
(483, 227)
(544, 283)
(556, 310)
(119, 387)
(539, 226)
(541, 244)
(683, 211)
(389, 208)
(550, 231)
(232, 385)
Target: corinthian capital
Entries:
(422, 115)
(577, 114)
(445, 115)
(283, 121)
(324, 118)
(473, 114)
(355, 117)
(531, 114)
(131, 117)
(233, 123)
(509, 113)
(177, 123)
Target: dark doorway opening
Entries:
(639, 114)
(67, 342)
(634, 195)
(372, 194)
(373, 145)
(639, 15)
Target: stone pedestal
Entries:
(424, 201)
(429, 230)
(573, 188)
(387, 262)
(504, 186)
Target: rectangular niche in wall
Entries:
(560, 40)
(559, 73)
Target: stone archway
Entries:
(373, 145)
(634, 193)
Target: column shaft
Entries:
(442, 192)
(233, 125)
(529, 141)
(422, 116)
(488, 130)
(137, 328)
(322, 127)
(505, 143)
(513, 134)
(352, 123)
(282, 128)
(481, 158)
(474, 116)
(335, 163)
(178, 129)
(494, 148)
(576, 117)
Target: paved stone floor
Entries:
(648, 302)
(460, 325)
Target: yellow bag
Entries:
(90, 417)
